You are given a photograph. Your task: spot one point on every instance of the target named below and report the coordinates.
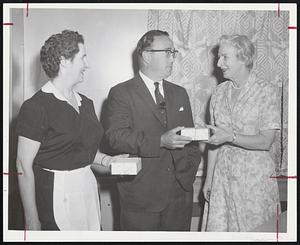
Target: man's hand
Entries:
(171, 140)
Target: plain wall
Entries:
(110, 39)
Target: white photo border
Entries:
(291, 235)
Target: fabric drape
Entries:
(195, 34)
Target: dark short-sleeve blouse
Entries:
(69, 140)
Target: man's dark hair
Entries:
(147, 39)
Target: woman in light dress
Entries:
(245, 114)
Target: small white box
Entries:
(126, 166)
(196, 133)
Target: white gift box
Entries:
(126, 166)
(196, 133)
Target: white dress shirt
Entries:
(150, 85)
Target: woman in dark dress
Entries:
(58, 137)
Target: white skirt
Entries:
(76, 204)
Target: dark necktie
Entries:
(158, 96)
(161, 104)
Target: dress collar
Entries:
(251, 78)
(50, 88)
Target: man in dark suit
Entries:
(144, 117)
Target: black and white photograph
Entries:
(149, 122)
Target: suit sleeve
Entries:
(119, 130)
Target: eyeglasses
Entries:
(168, 52)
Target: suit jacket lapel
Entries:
(169, 96)
(144, 93)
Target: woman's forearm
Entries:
(27, 150)
(262, 141)
(102, 159)
(27, 192)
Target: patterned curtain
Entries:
(195, 34)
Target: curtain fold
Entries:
(195, 34)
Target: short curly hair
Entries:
(64, 44)
(244, 48)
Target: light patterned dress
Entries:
(243, 196)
